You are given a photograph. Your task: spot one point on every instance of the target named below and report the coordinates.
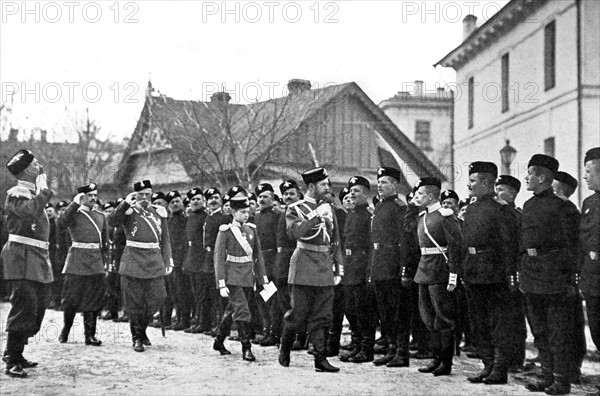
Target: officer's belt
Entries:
(239, 259)
(350, 252)
(143, 245)
(282, 249)
(312, 248)
(83, 245)
(28, 241)
(378, 246)
(474, 250)
(208, 249)
(269, 250)
(429, 251)
(532, 252)
(593, 255)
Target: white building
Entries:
(530, 75)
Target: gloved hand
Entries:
(78, 197)
(452, 280)
(406, 282)
(336, 280)
(513, 285)
(224, 292)
(130, 199)
(41, 181)
(324, 210)
(169, 269)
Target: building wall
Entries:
(534, 114)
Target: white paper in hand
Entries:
(268, 290)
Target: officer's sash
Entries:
(151, 227)
(93, 222)
(437, 245)
(237, 233)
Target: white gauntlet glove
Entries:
(452, 280)
(41, 182)
(224, 292)
(77, 198)
(130, 199)
(324, 210)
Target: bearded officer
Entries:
(27, 268)
(146, 259)
(83, 288)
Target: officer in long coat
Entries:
(146, 259)
(83, 288)
(27, 268)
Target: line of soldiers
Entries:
(408, 260)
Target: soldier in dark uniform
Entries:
(146, 259)
(548, 274)
(63, 243)
(51, 213)
(113, 282)
(210, 300)
(180, 298)
(159, 198)
(238, 259)
(507, 188)
(442, 251)
(590, 243)
(315, 227)
(564, 186)
(83, 289)
(393, 297)
(346, 199)
(359, 299)
(266, 226)
(120, 241)
(491, 235)
(27, 268)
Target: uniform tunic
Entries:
(590, 269)
(387, 234)
(266, 225)
(211, 230)
(27, 268)
(178, 284)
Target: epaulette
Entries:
(161, 211)
(19, 192)
(224, 227)
(296, 203)
(251, 225)
(446, 212)
(399, 202)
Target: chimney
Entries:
(297, 85)
(469, 25)
(43, 136)
(418, 88)
(12, 135)
(220, 97)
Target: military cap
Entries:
(567, 179)
(141, 185)
(388, 171)
(375, 200)
(428, 181)
(62, 204)
(544, 161)
(171, 195)
(277, 198)
(262, 187)
(186, 201)
(483, 167)
(20, 161)
(345, 191)
(193, 192)
(315, 175)
(240, 201)
(509, 180)
(410, 196)
(157, 195)
(108, 205)
(119, 200)
(288, 184)
(592, 154)
(359, 181)
(235, 190)
(210, 192)
(449, 194)
(463, 202)
(48, 205)
(252, 197)
(88, 188)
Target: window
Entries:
(423, 135)
(505, 82)
(471, 100)
(549, 146)
(550, 55)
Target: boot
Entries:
(354, 339)
(446, 355)
(13, 355)
(561, 386)
(300, 342)
(333, 344)
(365, 355)
(488, 364)
(219, 346)
(244, 331)
(400, 359)
(499, 375)
(388, 357)
(89, 325)
(546, 381)
(271, 340)
(321, 364)
(145, 339)
(68, 318)
(287, 341)
(136, 333)
(345, 357)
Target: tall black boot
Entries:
(287, 341)
(561, 386)
(321, 364)
(402, 357)
(89, 326)
(136, 332)
(435, 343)
(68, 318)
(487, 357)
(13, 355)
(546, 381)
(446, 355)
(223, 330)
(389, 356)
(499, 373)
(244, 330)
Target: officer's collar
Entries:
(434, 206)
(236, 223)
(84, 208)
(360, 207)
(310, 199)
(390, 198)
(216, 211)
(26, 184)
(546, 193)
(202, 209)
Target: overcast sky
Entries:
(64, 57)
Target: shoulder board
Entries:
(296, 203)
(160, 210)
(251, 225)
(224, 227)
(19, 192)
(399, 202)
(446, 212)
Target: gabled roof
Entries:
(492, 30)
